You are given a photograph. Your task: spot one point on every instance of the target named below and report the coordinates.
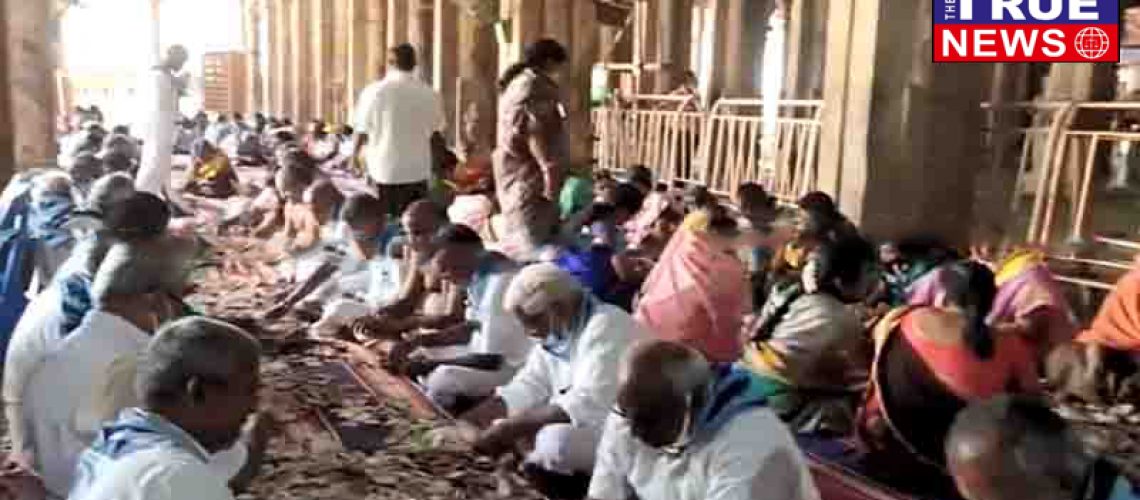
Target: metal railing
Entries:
(1061, 150)
(737, 141)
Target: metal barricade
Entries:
(721, 149)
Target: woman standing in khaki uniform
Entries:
(533, 144)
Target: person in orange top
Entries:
(1103, 364)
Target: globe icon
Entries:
(1092, 43)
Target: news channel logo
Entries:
(1026, 30)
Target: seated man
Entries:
(55, 313)
(475, 356)
(683, 429)
(197, 381)
(559, 401)
(51, 208)
(211, 174)
(344, 271)
(416, 286)
(808, 349)
(1015, 447)
(71, 392)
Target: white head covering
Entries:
(538, 287)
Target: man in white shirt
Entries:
(394, 122)
(197, 381)
(685, 430)
(562, 395)
(59, 309)
(469, 360)
(71, 393)
(158, 107)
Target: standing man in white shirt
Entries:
(158, 107)
(683, 429)
(394, 123)
(197, 381)
(562, 395)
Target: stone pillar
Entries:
(556, 16)
(421, 24)
(673, 41)
(900, 144)
(377, 38)
(31, 79)
(302, 69)
(322, 52)
(360, 73)
(282, 63)
(478, 69)
(526, 26)
(445, 60)
(251, 14)
(576, 83)
(807, 40)
(645, 44)
(7, 132)
(397, 22)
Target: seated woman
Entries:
(698, 292)
(211, 175)
(1103, 364)
(818, 221)
(809, 348)
(931, 362)
(910, 269)
(1029, 300)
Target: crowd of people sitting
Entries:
(644, 339)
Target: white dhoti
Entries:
(565, 449)
(446, 384)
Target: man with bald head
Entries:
(158, 109)
(683, 429)
(1016, 448)
(197, 384)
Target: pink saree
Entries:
(696, 296)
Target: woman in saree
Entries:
(1103, 364)
(1030, 303)
(808, 348)
(930, 363)
(533, 143)
(697, 294)
(212, 175)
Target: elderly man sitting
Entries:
(560, 399)
(687, 430)
(197, 381)
(1015, 447)
(475, 356)
(58, 310)
(78, 385)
